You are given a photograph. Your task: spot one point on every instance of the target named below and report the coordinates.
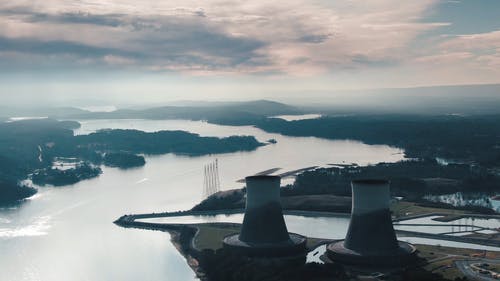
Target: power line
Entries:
(211, 181)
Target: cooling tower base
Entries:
(404, 255)
(296, 245)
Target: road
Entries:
(464, 266)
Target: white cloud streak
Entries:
(301, 37)
(296, 38)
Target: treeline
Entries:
(123, 160)
(409, 179)
(162, 142)
(30, 147)
(57, 177)
(467, 138)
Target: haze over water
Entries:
(73, 226)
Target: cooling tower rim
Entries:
(405, 254)
(371, 181)
(296, 245)
(262, 177)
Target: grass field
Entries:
(425, 250)
(445, 256)
(440, 259)
(402, 209)
(210, 236)
(445, 268)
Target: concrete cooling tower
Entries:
(371, 238)
(264, 232)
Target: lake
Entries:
(66, 233)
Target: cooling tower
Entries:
(371, 238)
(264, 231)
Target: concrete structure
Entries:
(495, 203)
(371, 238)
(264, 231)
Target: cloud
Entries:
(153, 42)
(315, 38)
(479, 41)
(29, 15)
(446, 57)
(299, 38)
(474, 51)
(35, 46)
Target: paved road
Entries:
(464, 266)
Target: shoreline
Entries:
(185, 237)
(130, 221)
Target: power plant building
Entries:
(264, 232)
(371, 238)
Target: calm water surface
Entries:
(336, 227)
(297, 117)
(66, 233)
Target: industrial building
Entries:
(371, 238)
(264, 232)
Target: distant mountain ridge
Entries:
(432, 100)
(247, 110)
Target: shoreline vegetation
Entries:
(443, 142)
(463, 138)
(413, 180)
(458, 142)
(29, 150)
(467, 147)
(329, 189)
(57, 177)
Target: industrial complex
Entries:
(263, 246)
(264, 232)
(371, 238)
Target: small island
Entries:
(123, 160)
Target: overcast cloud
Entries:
(298, 38)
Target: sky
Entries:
(128, 50)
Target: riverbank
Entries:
(235, 199)
(492, 239)
(201, 245)
(30, 150)
(422, 181)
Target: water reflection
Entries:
(78, 240)
(37, 227)
(297, 117)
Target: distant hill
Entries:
(264, 107)
(239, 110)
(54, 112)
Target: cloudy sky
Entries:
(232, 49)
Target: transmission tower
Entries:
(211, 181)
